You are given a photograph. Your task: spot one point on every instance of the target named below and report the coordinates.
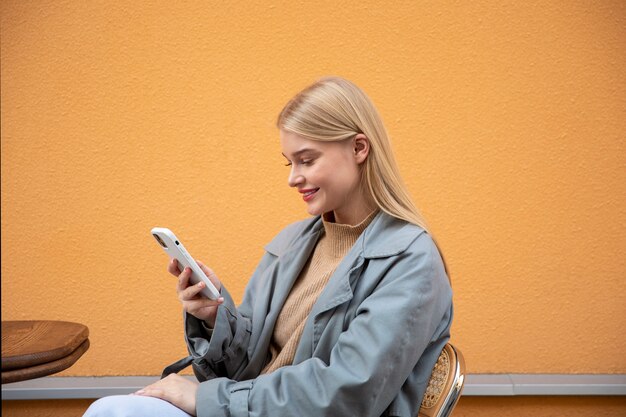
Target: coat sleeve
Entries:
(371, 360)
(222, 351)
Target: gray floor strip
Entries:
(475, 385)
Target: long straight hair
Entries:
(335, 109)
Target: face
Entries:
(327, 175)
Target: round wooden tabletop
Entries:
(36, 348)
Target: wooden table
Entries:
(36, 348)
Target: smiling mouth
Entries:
(308, 194)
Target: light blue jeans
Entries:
(133, 406)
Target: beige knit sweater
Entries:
(334, 243)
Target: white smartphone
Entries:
(175, 250)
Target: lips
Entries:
(308, 193)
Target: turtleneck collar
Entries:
(339, 238)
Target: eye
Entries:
(288, 164)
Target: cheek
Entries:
(334, 174)
(347, 175)
(319, 175)
(341, 183)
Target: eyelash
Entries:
(305, 162)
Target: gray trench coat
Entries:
(368, 346)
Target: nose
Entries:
(295, 178)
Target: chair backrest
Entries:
(445, 384)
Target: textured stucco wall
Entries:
(508, 121)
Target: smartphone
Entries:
(175, 250)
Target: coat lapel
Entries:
(339, 287)
(379, 240)
(284, 273)
(382, 238)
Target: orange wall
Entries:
(508, 120)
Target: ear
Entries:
(361, 147)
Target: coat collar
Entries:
(385, 236)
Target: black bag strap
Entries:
(177, 366)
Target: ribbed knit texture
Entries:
(334, 243)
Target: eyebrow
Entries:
(303, 151)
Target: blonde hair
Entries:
(334, 109)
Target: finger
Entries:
(202, 304)
(176, 390)
(172, 267)
(146, 389)
(152, 392)
(209, 273)
(156, 387)
(183, 280)
(192, 291)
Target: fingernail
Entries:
(140, 392)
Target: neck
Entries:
(352, 219)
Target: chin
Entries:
(313, 211)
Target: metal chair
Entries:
(445, 384)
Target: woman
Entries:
(347, 311)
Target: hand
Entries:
(174, 389)
(193, 302)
